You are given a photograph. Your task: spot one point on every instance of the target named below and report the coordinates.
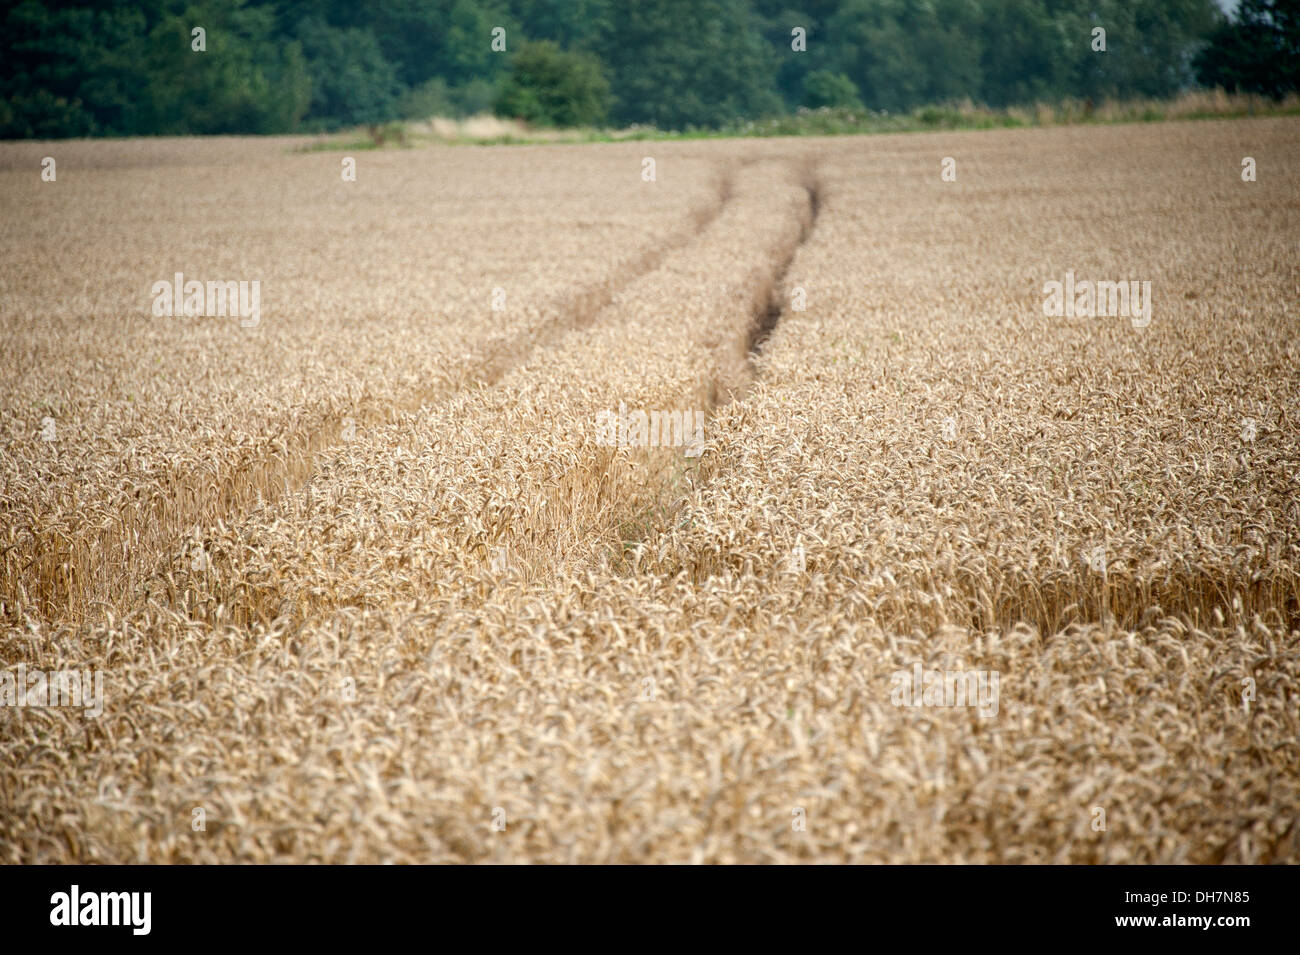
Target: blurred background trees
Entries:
(1258, 52)
(111, 67)
(548, 86)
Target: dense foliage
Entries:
(111, 67)
(1259, 52)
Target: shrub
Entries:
(825, 88)
(548, 86)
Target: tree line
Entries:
(110, 68)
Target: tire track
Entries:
(46, 569)
(672, 336)
(740, 367)
(766, 319)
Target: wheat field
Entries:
(394, 574)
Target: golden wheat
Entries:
(470, 630)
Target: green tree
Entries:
(1257, 52)
(902, 54)
(1149, 45)
(825, 88)
(571, 24)
(1023, 56)
(678, 63)
(72, 72)
(776, 20)
(121, 67)
(352, 83)
(550, 87)
(244, 81)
